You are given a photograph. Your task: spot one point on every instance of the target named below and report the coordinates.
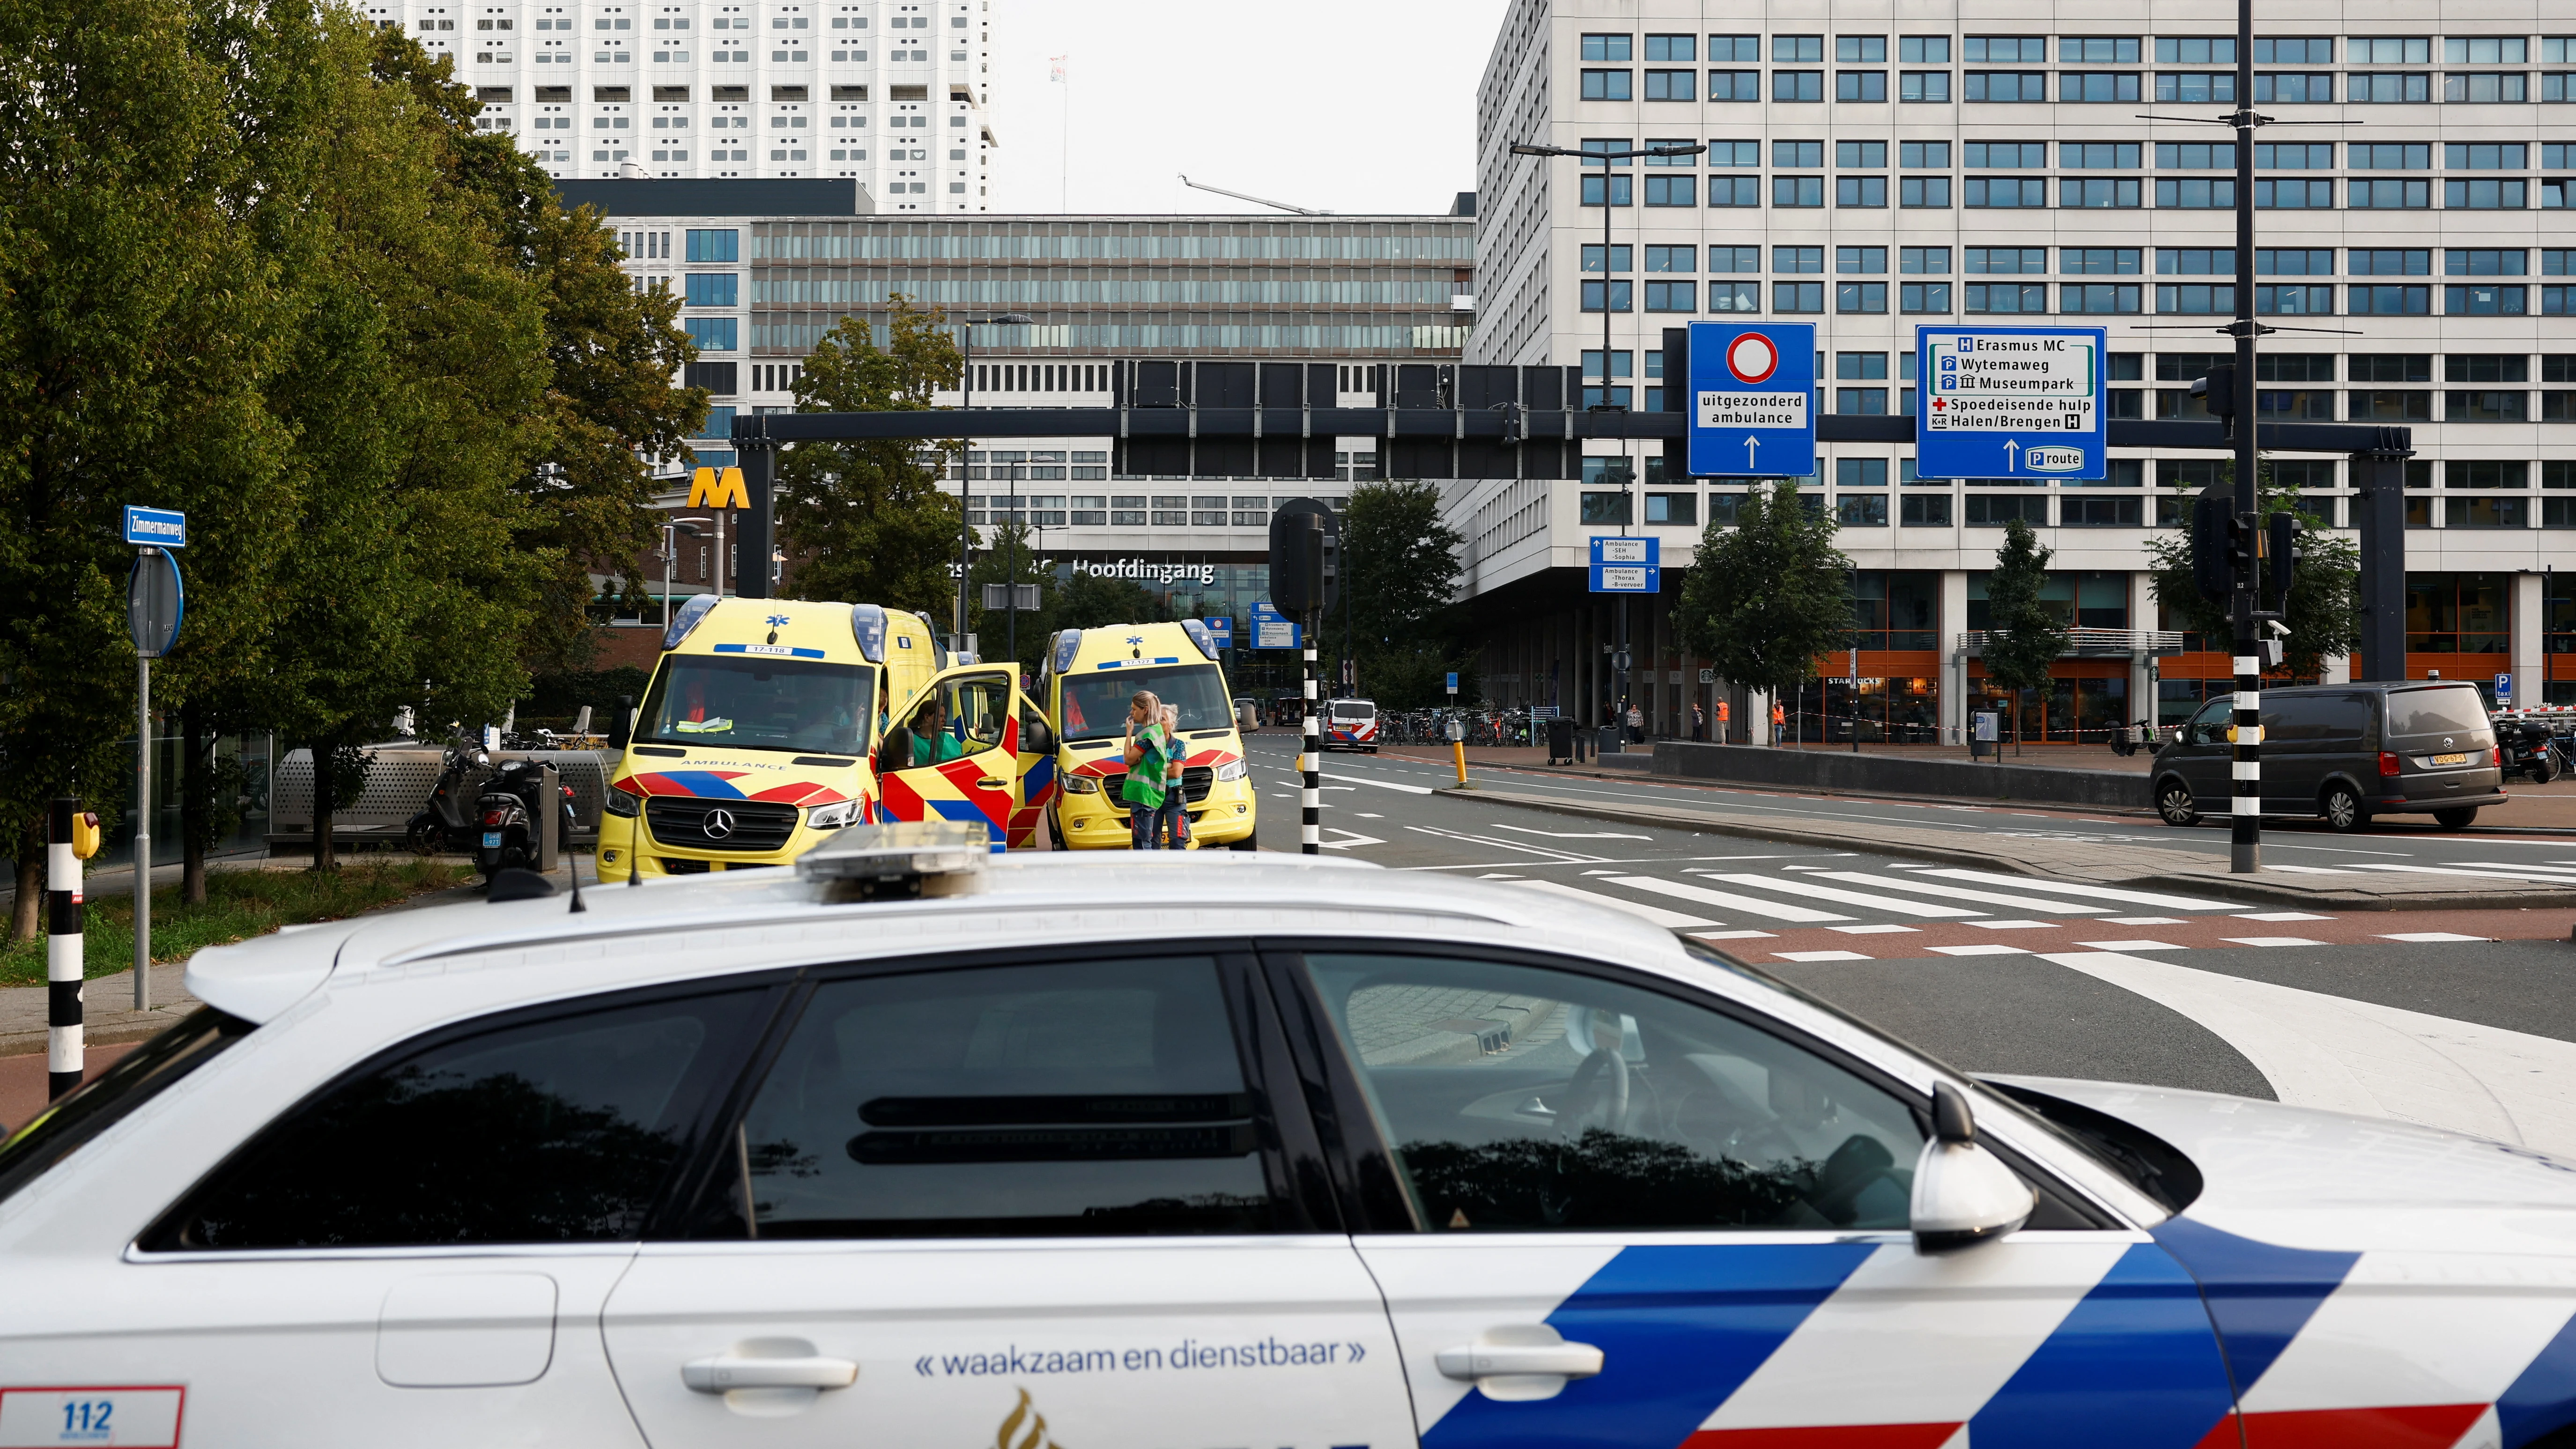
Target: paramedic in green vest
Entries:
(1149, 747)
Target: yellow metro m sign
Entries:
(718, 488)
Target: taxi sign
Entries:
(2009, 402)
(1752, 395)
(1627, 565)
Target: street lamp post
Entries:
(1619, 660)
(965, 476)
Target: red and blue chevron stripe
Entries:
(719, 785)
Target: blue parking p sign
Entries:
(2009, 402)
(1752, 398)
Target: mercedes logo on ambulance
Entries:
(718, 825)
(1752, 358)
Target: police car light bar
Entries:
(945, 856)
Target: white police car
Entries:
(1202, 1151)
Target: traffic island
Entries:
(2090, 862)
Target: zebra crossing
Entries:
(1793, 908)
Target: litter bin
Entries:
(1560, 742)
(1612, 740)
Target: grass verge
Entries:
(239, 904)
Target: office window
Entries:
(2387, 88)
(1860, 297)
(2388, 49)
(2385, 300)
(712, 334)
(2487, 156)
(2486, 367)
(2006, 155)
(2100, 512)
(1608, 47)
(1797, 191)
(1923, 261)
(1797, 48)
(1672, 296)
(2388, 193)
(1924, 510)
(2389, 156)
(1926, 192)
(1860, 191)
(1735, 296)
(714, 246)
(2485, 50)
(2007, 85)
(1675, 508)
(2276, 300)
(2098, 155)
(1923, 155)
(2006, 297)
(1618, 293)
(713, 289)
(1924, 298)
(1860, 49)
(2196, 49)
(1608, 85)
(1735, 85)
(1794, 260)
(1736, 153)
(2101, 298)
(2097, 192)
(1861, 155)
(2292, 50)
(2195, 87)
(2006, 48)
(2195, 155)
(1860, 85)
(1738, 48)
(2097, 87)
(1672, 259)
(2285, 194)
(2479, 262)
(1797, 297)
(1994, 510)
(1923, 49)
(1797, 85)
(1672, 85)
(1805, 155)
(1923, 87)
(2004, 261)
(2006, 191)
(2194, 299)
(1620, 257)
(1682, 48)
(1863, 510)
(1735, 191)
(1620, 189)
(2388, 262)
(1672, 191)
(2294, 88)
(2486, 194)
(2097, 49)
(2195, 193)
(2099, 261)
(1743, 260)
(1686, 153)
(1851, 261)
(2486, 88)
(1860, 472)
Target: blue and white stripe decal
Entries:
(2259, 1294)
(2135, 1363)
(1134, 663)
(780, 650)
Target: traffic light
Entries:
(2217, 391)
(2217, 543)
(2281, 554)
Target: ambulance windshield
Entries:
(1095, 704)
(759, 704)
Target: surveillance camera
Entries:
(2276, 628)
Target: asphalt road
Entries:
(2460, 1018)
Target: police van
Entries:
(1090, 675)
(771, 723)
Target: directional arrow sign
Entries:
(1753, 398)
(2009, 402)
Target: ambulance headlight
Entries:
(1233, 770)
(1081, 785)
(833, 816)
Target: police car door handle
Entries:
(727, 1371)
(1527, 1353)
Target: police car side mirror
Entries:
(1963, 1194)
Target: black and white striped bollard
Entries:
(1310, 793)
(2245, 764)
(62, 950)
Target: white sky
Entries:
(1351, 106)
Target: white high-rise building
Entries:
(892, 93)
(1868, 169)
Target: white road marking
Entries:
(1850, 898)
(1727, 900)
(1733, 935)
(1569, 834)
(1498, 875)
(1544, 852)
(1821, 956)
(2308, 869)
(1988, 948)
(1354, 838)
(2270, 941)
(1881, 930)
(1388, 785)
(2085, 892)
(1961, 893)
(2022, 925)
(2132, 946)
(2279, 916)
(1364, 815)
(1670, 920)
(2430, 938)
(2472, 874)
(2142, 920)
(2346, 1055)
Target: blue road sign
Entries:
(1453, 681)
(1272, 629)
(1223, 629)
(1627, 565)
(1753, 391)
(2009, 402)
(155, 602)
(2504, 690)
(157, 527)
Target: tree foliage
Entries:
(1403, 625)
(1765, 597)
(2024, 636)
(2324, 614)
(865, 522)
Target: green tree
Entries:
(1765, 597)
(1009, 556)
(2024, 636)
(1401, 624)
(865, 521)
(2324, 613)
(1094, 601)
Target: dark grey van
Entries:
(2345, 752)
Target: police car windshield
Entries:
(807, 706)
(1095, 702)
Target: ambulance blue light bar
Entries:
(690, 615)
(868, 626)
(1200, 635)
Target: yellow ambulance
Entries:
(1089, 676)
(771, 723)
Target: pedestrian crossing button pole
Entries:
(71, 836)
(1297, 590)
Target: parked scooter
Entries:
(507, 810)
(2525, 748)
(447, 822)
(2125, 739)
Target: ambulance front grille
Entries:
(752, 825)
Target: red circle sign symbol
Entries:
(1752, 358)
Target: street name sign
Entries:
(156, 527)
(1752, 393)
(2009, 402)
(1627, 565)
